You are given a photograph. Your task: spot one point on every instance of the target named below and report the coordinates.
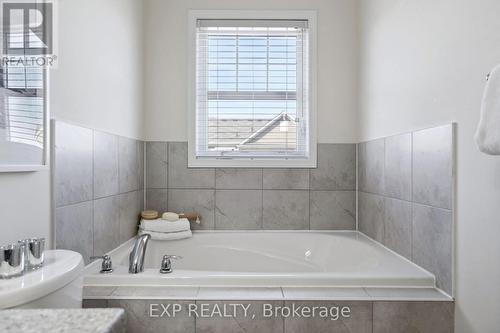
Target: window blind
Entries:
(252, 98)
(22, 84)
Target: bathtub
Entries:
(267, 258)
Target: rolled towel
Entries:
(167, 235)
(488, 131)
(160, 225)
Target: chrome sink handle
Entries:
(166, 263)
(107, 264)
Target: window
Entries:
(23, 104)
(21, 92)
(252, 102)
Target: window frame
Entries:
(232, 162)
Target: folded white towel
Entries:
(167, 235)
(160, 225)
(488, 131)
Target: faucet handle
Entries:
(166, 263)
(107, 264)
(172, 256)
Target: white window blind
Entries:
(252, 98)
(22, 103)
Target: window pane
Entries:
(22, 109)
(248, 96)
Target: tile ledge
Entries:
(408, 294)
(372, 294)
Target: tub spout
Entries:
(136, 259)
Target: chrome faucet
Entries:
(136, 259)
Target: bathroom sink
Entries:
(57, 284)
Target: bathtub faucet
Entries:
(136, 259)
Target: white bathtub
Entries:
(267, 258)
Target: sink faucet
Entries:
(136, 259)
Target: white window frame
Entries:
(193, 161)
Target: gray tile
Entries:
(129, 212)
(74, 229)
(199, 201)
(333, 210)
(139, 319)
(359, 320)
(128, 165)
(241, 179)
(287, 210)
(324, 293)
(397, 317)
(73, 164)
(371, 166)
(156, 292)
(240, 322)
(397, 229)
(180, 176)
(398, 166)
(106, 225)
(371, 215)
(156, 164)
(157, 199)
(336, 167)
(97, 291)
(407, 294)
(432, 166)
(286, 179)
(238, 209)
(105, 164)
(140, 163)
(94, 303)
(141, 199)
(239, 293)
(432, 243)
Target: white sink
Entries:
(58, 284)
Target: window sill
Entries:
(251, 163)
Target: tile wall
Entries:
(384, 313)
(253, 199)
(98, 182)
(406, 197)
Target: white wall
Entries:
(424, 63)
(166, 64)
(98, 84)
